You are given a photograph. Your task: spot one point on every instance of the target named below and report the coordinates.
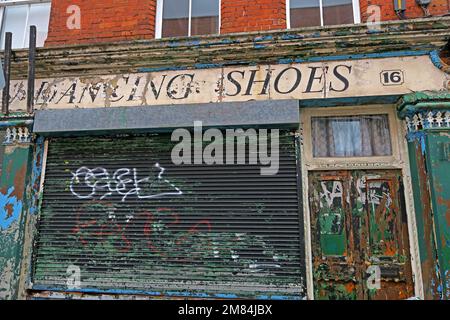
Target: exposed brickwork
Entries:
(413, 10)
(121, 20)
(102, 21)
(256, 15)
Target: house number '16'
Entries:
(392, 77)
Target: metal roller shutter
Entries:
(118, 210)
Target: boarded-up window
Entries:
(351, 136)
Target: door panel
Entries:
(359, 236)
(334, 270)
(332, 220)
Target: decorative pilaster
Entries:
(427, 117)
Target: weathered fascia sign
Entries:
(350, 78)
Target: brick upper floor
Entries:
(85, 21)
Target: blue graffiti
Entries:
(6, 219)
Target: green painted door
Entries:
(359, 235)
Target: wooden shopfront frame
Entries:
(399, 160)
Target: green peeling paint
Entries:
(15, 170)
(439, 168)
(430, 166)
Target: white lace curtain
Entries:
(351, 136)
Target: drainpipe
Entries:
(400, 8)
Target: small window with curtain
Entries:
(351, 136)
(309, 13)
(184, 18)
(17, 17)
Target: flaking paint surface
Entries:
(12, 189)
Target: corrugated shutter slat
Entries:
(220, 229)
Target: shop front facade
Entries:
(273, 165)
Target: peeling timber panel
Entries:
(119, 211)
(359, 232)
(424, 218)
(438, 160)
(263, 82)
(15, 168)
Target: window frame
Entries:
(11, 3)
(159, 19)
(342, 163)
(356, 13)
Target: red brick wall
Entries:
(102, 21)
(255, 15)
(120, 20)
(413, 10)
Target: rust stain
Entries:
(395, 291)
(9, 210)
(430, 278)
(350, 287)
(391, 248)
(446, 203)
(19, 182)
(8, 170)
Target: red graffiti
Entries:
(90, 229)
(193, 230)
(149, 228)
(93, 228)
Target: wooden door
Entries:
(359, 235)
